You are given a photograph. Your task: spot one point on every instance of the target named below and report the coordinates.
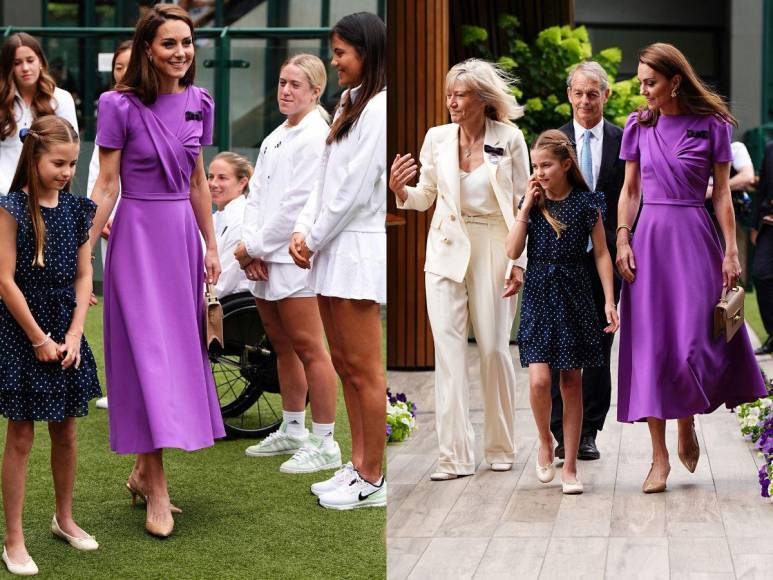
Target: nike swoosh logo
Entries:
(364, 497)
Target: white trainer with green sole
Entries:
(313, 456)
(280, 442)
(358, 494)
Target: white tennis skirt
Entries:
(352, 266)
(284, 281)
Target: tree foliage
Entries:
(541, 69)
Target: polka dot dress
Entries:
(559, 325)
(31, 390)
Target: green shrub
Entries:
(541, 70)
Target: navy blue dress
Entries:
(559, 325)
(29, 389)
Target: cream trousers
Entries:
(451, 306)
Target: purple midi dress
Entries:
(160, 384)
(670, 365)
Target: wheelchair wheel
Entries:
(245, 372)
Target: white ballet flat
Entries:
(87, 544)
(545, 473)
(442, 476)
(572, 488)
(28, 568)
(501, 466)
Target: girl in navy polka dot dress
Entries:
(559, 327)
(47, 371)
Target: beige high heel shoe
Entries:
(654, 485)
(690, 454)
(159, 529)
(136, 491)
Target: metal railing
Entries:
(222, 63)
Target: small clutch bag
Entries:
(213, 320)
(728, 313)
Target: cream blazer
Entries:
(448, 243)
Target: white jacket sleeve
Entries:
(250, 228)
(65, 108)
(93, 171)
(520, 178)
(367, 164)
(423, 195)
(277, 231)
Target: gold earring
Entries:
(673, 93)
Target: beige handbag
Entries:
(728, 313)
(214, 319)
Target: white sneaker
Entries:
(102, 403)
(341, 477)
(358, 494)
(313, 456)
(280, 442)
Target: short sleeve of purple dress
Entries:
(162, 393)
(670, 365)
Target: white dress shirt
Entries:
(285, 174)
(10, 148)
(351, 193)
(596, 142)
(228, 233)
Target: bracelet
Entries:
(73, 333)
(45, 341)
(524, 220)
(624, 227)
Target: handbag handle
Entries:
(725, 289)
(209, 294)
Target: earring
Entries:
(674, 93)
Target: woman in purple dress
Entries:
(150, 133)
(673, 267)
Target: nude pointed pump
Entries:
(690, 454)
(653, 484)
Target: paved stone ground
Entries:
(710, 524)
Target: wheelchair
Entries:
(245, 371)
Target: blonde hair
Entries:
(44, 132)
(491, 84)
(558, 145)
(315, 72)
(241, 166)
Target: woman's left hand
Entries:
(212, 266)
(300, 251)
(514, 282)
(71, 350)
(731, 270)
(613, 322)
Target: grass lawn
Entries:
(752, 315)
(242, 518)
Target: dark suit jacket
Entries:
(611, 176)
(765, 187)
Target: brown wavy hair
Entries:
(141, 77)
(366, 32)
(41, 102)
(694, 96)
(44, 132)
(561, 148)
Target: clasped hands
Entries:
(69, 352)
(300, 252)
(254, 268)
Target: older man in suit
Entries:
(597, 143)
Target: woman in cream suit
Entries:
(475, 169)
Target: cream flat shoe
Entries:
(545, 473)
(501, 466)
(442, 476)
(87, 544)
(572, 487)
(28, 568)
